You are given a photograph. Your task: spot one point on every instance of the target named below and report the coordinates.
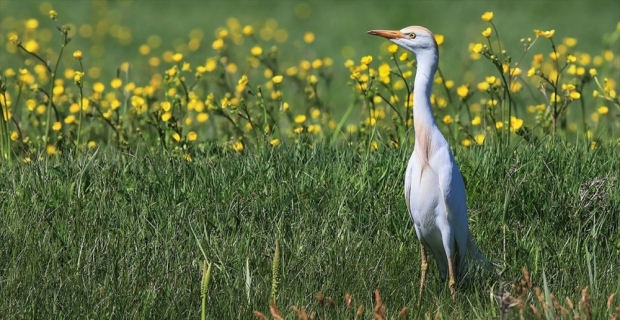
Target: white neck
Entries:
(422, 112)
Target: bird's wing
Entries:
(408, 187)
(452, 187)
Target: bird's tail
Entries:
(477, 254)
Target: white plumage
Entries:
(434, 188)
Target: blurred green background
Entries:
(336, 24)
(119, 28)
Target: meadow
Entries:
(235, 160)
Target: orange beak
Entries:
(388, 34)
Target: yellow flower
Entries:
(202, 117)
(300, 118)
(277, 79)
(14, 135)
(70, 119)
(51, 150)
(602, 110)
(593, 72)
(218, 44)
(515, 123)
(116, 83)
(192, 136)
(13, 38)
(308, 37)
(256, 51)
(366, 60)
(248, 31)
(312, 79)
(166, 116)
(531, 72)
(487, 32)
(483, 86)
(554, 55)
(98, 87)
(477, 48)
(77, 54)
(490, 79)
(466, 142)
(571, 58)
(487, 16)
(243, 81)
(374, 145)
(439, 39)
(575, 95)
(317, 63)
(547, 34)
(569, 42)
(462, 91)
(53, 14)
(237, 146)
(476, 121)
(57, 126)
(176, 137)
(447, 119)
(274, 142)
(499, 125)
(404, 56)
(177, 57)
(392, 48)
(479, 139)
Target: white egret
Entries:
(434, 188)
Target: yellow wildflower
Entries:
(392, 48)
(308, 37)
(476, 121)
(300, 118)
(237, 146)
(256, 51)
(462, 91)
(366, 60)
(515, 123)
(77, 54)
(487, 32)
(192, 136)
(277, 79)
(487, 16)
(177, 57)
(447, 119)
(439, 39)
(479, 139)
(218, 44)
(602, 110)
(274, 142)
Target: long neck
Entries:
(422, 112)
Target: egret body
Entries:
(434, 188)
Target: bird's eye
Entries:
(412, 35)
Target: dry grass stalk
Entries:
(610, 300)
(319, 297)
(301, 314)
(585, 303)
(403, 312)
(347, 300)
(360, 310)
(379, 307)
(275, 312)
(259, 315)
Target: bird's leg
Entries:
(452, 281)
(424, 266)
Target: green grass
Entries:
(118, 235)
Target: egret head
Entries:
(415, 38)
